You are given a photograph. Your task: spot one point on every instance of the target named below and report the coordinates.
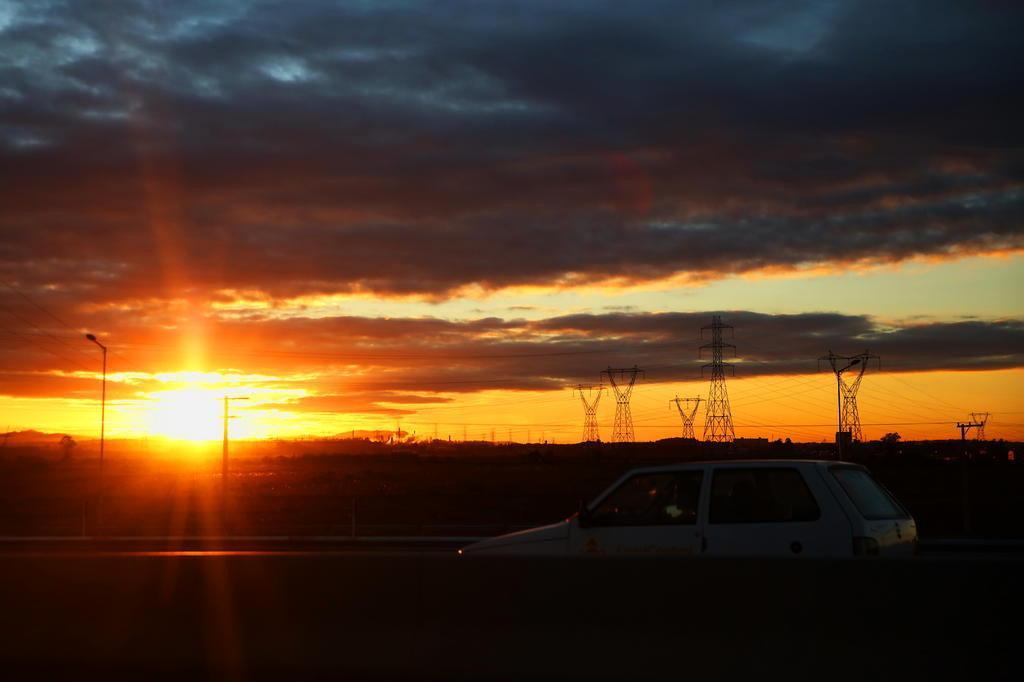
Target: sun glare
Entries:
(186, 414)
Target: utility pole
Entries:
(590, 396)
(718, 426)
(687, 413)
(848, 428)
(965, 479)
(224, 461)
(980, 418)
(622, 382)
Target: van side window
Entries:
(761, 496)
(658, 499)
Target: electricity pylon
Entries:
(687, 413)
(848, 420)
(590, 396)
(980, 419)
(622, 382)
(718, 416)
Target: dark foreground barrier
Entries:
(429, 617)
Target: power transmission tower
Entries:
(590, 396)
(980, 419)
(718, 417)
(622, 382)
(687, 413)
(848, 419)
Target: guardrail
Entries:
(283, 543)
(234, 543)
(955, 545)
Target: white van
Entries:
(778, 508)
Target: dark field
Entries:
(90, 611)
(464, 490)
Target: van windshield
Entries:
(872, 500)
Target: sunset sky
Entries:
(445, 214)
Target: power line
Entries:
(60, 321)
(49, 350)
(40, 330)
(673, 426)
(34, 304)
(933, 397)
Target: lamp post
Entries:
(103, 422)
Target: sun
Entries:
(186, 414)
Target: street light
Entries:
(103, 419)
(102, 402)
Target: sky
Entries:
(438, 217)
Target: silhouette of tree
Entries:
(67, 444)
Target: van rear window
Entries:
(872, 500)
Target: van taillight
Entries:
(865, 547)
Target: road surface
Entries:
(430, 615)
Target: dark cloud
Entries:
(174, 149)
(360, 402)
(388, 366)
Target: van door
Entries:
(768, 511)
(654, 512)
